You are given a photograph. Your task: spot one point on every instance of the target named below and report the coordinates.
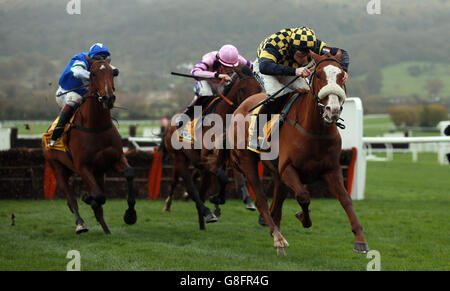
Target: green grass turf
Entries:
(405, 217)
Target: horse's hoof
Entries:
(81, 228)
(361, 247)
(210, 218)
(166, 209)
(262, 221)
(306, 221)
(281, 251)
(130, 217)
(216, 199)
(250, 206)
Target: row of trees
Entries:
(421, 115)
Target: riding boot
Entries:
(64, 117)
(188, 111)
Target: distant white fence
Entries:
(438, 144)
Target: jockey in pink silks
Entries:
(218, 65)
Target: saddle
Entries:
(259, 139)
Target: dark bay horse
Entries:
(309, 148)
(244, 84)
(94, 147)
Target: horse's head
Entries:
(327, 85)
(101, 83)
(244, 84)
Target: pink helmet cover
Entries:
(229, 56)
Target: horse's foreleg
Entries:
(277, 202)
(98, 211)
(62, 176)
(248, 164)
(98, 197)
(130, 216)
(335, 184)
(292, 180)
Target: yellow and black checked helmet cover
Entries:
(303, 38)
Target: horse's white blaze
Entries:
(331, 72)
(102, 67)
(332, 87)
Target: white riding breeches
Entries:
(272, 84)
(205, 88)
(72, 98)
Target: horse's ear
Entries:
(89, 60)
(338, 55)
(314, 56)
(108, 59)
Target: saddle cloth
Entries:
(61, 143)
(187, 132)
(269, 126)
(261, 136)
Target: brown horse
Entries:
(244, 84)
(309, 149)
(94, 147)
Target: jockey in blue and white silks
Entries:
(75, 79)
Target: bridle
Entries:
(316, 97)
(102, 99)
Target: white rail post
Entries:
(352, 115)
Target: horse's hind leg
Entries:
(292, 180)
(241, 186)
(62, 176)
(336, 185)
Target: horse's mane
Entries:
(245, 71)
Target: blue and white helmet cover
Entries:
(98, 48)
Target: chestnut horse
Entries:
(309, 149)
(244, 84)
(94, 147)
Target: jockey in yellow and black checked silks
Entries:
(276, 52)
